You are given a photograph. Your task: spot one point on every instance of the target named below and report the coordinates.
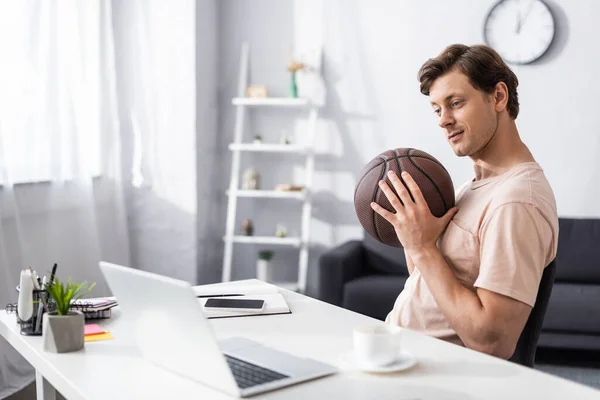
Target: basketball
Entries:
(429, 174)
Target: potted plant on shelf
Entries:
(63, 328)
(264, 271)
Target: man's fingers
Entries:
(403, 193)
(415, 190)
(389, 216)
(391, 196)
(446, 218)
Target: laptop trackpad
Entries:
(267, 357)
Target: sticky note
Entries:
(92, 329)
(100, 336)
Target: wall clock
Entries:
(521, 31)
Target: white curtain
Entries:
(156, 65)
(60, 172)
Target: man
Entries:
(475, 272)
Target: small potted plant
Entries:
(63, 328)
(280, 231)
(263, 266)
(257, 139)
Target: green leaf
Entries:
(63, 294)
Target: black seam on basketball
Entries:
(431, 159)
(384, 160)
(401, 179)
(430, 180)
(399, 172)
(373, 213)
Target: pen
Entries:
(53, 272)
(203, 296)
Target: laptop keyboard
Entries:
(248, 375)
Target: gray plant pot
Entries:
(63, 333)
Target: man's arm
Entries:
(485, 321)
(410, 265)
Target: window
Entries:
(53, 90)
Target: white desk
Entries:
(115, 370)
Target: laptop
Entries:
(172, 332)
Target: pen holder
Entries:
(33, 326)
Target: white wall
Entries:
(372, 52)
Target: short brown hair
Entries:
(481, 64)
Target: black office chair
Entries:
(527, 344)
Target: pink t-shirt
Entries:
(503, 236)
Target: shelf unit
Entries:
(286, 241)
(270, 101)
(238, 147)
(270, 194)
(268, 148)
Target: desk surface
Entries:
(115, 370)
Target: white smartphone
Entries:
(223, 304)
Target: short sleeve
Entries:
(515, 244)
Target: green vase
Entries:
(293, 86)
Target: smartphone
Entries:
(224, 304)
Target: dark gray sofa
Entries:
(367, 276)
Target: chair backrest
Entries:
(527, 344)
(383, 258)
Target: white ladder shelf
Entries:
(238, 147)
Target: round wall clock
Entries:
(521, 31)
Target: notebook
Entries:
(94, 304)
(95, 308)
(274, 304)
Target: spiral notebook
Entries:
(95, 308)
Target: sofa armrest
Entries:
(338, 266)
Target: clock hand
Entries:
(526, 14)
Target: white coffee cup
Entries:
(377, 345)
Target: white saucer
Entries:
(404, 361)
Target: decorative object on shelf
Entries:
(280, 231)
(259, 91)
(293, 67)
(247, 227)
(251, 179)
(285, 138)
(284, 187)
(264, 271)
(257, 139)
(63, 329)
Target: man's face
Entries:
(466, 114)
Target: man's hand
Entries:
(416, 228)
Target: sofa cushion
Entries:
(573, 308)
(373, 295)
(569, 341)
(578, 257)
(383, 258)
